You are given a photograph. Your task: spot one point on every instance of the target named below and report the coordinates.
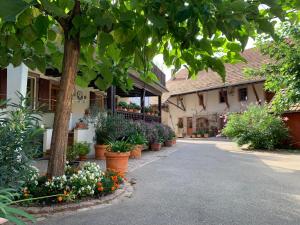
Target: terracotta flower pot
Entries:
(119, 108)
(206, 135)
(129, 110)
(82, 157)
(168, 143)
(193, 135)
(80, 125)
(117, 161)
(199, 135)
(136, 153)
(99, 151)
(155, 146)
(174, 141)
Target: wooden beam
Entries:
(201, 100)
(179, 107)
(256, 95)
(143, 92)
(225, 97)
(159, 108)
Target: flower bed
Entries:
(88, 182)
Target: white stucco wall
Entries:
(86, 135)
(16, 82)
(213, 106)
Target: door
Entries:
(189, 123)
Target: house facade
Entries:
(203, 103)
(42, 92)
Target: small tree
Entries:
(19, 143)
(283, 72)
(256, 127)
(98, 40)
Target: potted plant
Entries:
(170, 137)
(205, 133)
(82, 148)
(130, 107)
(101, 137)
(117, 155)
(194, 134)
(180, 128)
(72, 154)
(136, 108)
(122, 106)
(148, 110)
(81, 124)
(138, 140)
(156, 138)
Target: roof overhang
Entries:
(219, 87)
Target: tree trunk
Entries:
(59, 139)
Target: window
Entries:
(243, 94)
(97, 100)
(201, 100)
(222, 96)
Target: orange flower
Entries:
(59, 198)
(99, 184)
(114, 178)
(26, 195)
(113, 188)
(100, 188)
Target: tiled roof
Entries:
(209, 80)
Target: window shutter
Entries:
(44, 94)
(3, 84)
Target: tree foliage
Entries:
(283, 72)
(117, 35)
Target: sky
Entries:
(159, 61)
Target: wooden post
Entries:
(111, 99)
(143, 93)
(159, 108)
(256, 95)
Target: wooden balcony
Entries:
(139, 116)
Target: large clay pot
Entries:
(206, 135)
(99, 151)
(169, 143)
(136, 153)
(82, 157)
(174, 141)
(155, 146)
(117, 161)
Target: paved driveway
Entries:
(206, 182)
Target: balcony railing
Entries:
(139, 116)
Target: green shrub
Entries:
(137, 139)
(120, 146)
(19, 142)
(82, 148)
(256, 127)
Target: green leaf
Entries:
(41, 25)
(51, 35)
(10, 9)
(158, 21)
(183, 14)
(39, 47)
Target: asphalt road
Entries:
(202, 184)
